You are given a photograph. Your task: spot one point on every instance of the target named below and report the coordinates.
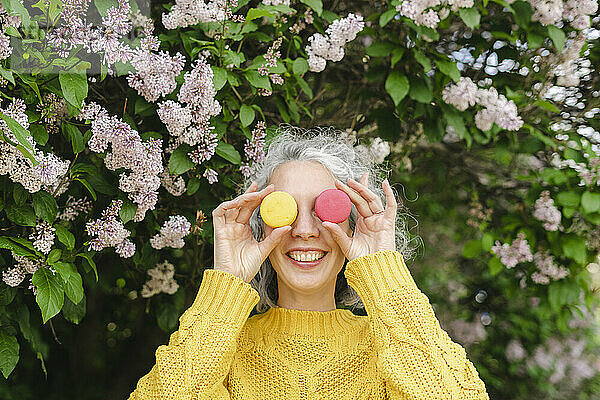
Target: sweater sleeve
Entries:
(196, 362)
(416, 356)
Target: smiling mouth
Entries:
(306, 257)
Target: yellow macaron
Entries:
(278, 209)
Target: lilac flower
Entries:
(517, 252)
(547, 269)
(271, 57)
(515, 351)
(172, 233)
(13, 276)
(330, 47)
(161, 280)
(210, 175)
(546, 211)
(43, 236)
(73, 208)
(188, 12)
(254, 149)
(109, 231)
(173, 183)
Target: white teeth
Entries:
(306, 255)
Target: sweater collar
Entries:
(309, 323)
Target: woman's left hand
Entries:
(375, 226)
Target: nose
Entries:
(306, 224)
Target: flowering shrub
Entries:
(122, 125)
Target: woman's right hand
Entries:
(235, 249)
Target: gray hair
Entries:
(343, 160)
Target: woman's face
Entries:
(305, 180)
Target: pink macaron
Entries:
(333, 205)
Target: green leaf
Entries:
(380, 49)
(387, 16)
(65, 237)
(88, 258)
(87, 185)
(472, 248)
(304, 86)
(7, 294)
(397, 86)
(219, 77)
(422, 59)
(15, 7)
(300, 66)
(179, 162)
(546, 105)
(73, 135)
(228, 152)
(21, 215)
(456, 121)
(558, 36)
(495, 266)
(449, 68)
(74, 87)
(590, 202)
(39, 133)
(522, 12)
(534, 40)
(73, 284)
(255, 13)
(7, 243)
(470, 16)
(103, 5)
(257, 80)
(397, 55)
(7, 74)
(568, 199)
(9, 353)
(420, 92)
(246, 115)
(127, 211)
(74, 313)
(574, 247)
(487, 241)
(53, 257)
(20, 133)
(45, 205)
(50, 292)
(316, 5)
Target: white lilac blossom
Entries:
(331, 46)
(566, 360)
(172, 233)
(23, 265)
(49, 172)
(422, 12)
(13, 276)
(211, 175)
(380, 149)
(547, 269)
(43, 236)
(155, 71)
(189, 12)
(515, 253)
(515, 351)
(546, 211)
(254, 149)
(143, 159)
(52, 110)
(6, 21)
(161, 280)
(73, 208)
(276, 2)
(576, 12)
(589, 174)
(190, 123)
(174, 184)
(498, 109)
(467, 332)
(109, 231)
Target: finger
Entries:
(267, 245)
(362, 205)
(248, 208)
(374, 201)
(390, 200)
(339, 236)
(252, 187)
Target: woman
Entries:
(302, 346)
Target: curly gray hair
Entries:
(324, 145)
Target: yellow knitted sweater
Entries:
(398, 351)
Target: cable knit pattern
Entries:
(398, 352)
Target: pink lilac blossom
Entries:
(49, 172)
(52, 110)
(515, 253)
(161, 280)
(254, 149)
(498, 109)
(271, 57)
(109, 231)
(188, 12)
(547, 269)
(422, 12)
(43, 236)
(205, 149)
(73, 208)
(576, 12)
(546, 211)
(143, 159)
(211, 175)
(331, 46)
(515, 351)
(172, 233)
(300, 25)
